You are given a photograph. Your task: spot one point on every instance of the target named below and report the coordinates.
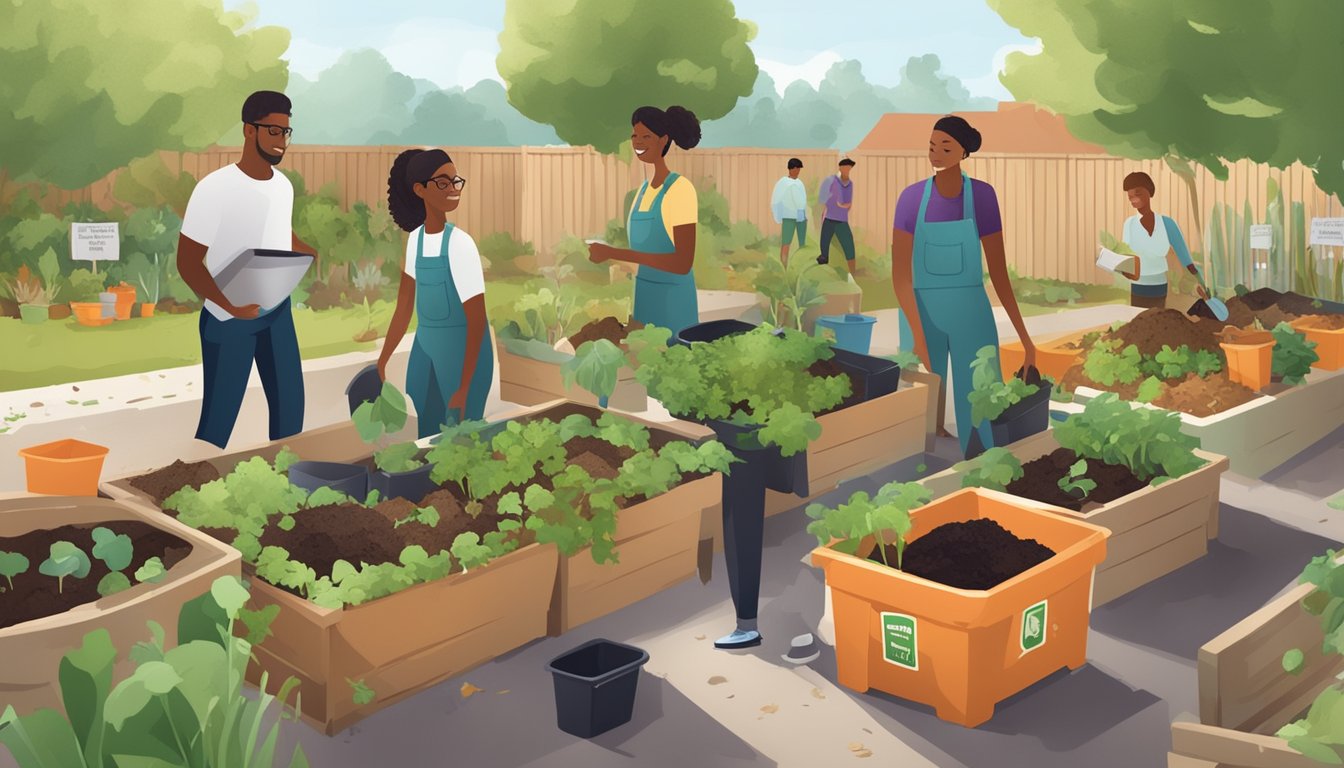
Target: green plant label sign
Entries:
(1034, 626)
(900, 640)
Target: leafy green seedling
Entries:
(114, 549)
(377, 420)
(363, 694)
(12, 564)
(1293, 659)
(152, 571)
(1149, 390)
(424, 515)
(1293, 354)
(1337, 502)
(113, 583)
(993, 469)
(595, 366)
(66, 559)
(922, 468)
(1075, 483)
(863, 516)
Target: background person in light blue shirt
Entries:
(1153, 238)
(789, 204)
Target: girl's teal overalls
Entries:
(950, 294)
(662, 298)
(439, 351)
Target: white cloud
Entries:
(447, 51)
(308, 58)
(812, 71)
(989, 84)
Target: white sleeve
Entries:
(465, 261)
(408, 264)
(201, 221)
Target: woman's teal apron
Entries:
(439, 351)
(662, 298)
(953, 307)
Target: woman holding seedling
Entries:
(1151, 238)
(940, 227)
(662, 223)
(452, 362)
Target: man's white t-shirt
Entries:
(230, 212)
(464, 259)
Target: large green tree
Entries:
(355, 98)
(583, 66)
(1202, 81)
(89, 85)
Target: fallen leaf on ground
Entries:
(136, 400)
(817, 694)
(77, 388)
(89, 402)
(855, 746)
(469, 690)
(732, 695)
(865, 730)
(863, 753)
(34, 405)
(501, 693)
(770, 709)
(718, 680)
(699, 637)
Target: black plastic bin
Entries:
(712, 330)
(1022, 420)
(879, 376)
(595, 686)
(412, 485)
(785, 474)
(350, 479)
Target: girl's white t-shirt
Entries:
(464, 259)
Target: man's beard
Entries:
(272, 159)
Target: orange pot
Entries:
(1329, 343)
(125, 300)
(963, 651)
(64, 468)
(1249, 364)
(89, 313)
(146, 310)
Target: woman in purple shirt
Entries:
(940, 226)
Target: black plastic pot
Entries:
(350, 479)
(1023, 419)
(786, 474)
(364, 387)
(412, 485)
(880, 377)
(595, 686)
(712, 330)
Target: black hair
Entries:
(961, 131)
(795, 163)
(263, 103)
(847, 161)
(1139, 179)
(678, 122)
(414, 166)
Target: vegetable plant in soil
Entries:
(181, 706)
(595, 366)
(1016, 408)
(1319, 734)
(1293, 355)
(399, 472)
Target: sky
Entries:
(454, 42)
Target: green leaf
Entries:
(285, 459)
(324, 497)
(115, 550)
(363, 694)
(229, 594)
(12, 564)
(1293, 660)
(995, 469)
(66, 560)
(86, 678)
(397, 458)
(258, 623)
(1149, 390)
(113, 583)
(595, 366)
(369, 428)
(152, 571)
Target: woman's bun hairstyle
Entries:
(961, 131)
(679, 123)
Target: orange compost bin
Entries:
(64, 468)
(1329, 344)
(963, 651)
(1249, 364)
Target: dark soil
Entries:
(976, 554)
(1040, 481)
(1153, 328)
(162, 483)
(36, 596)
(1297, 304)
(349, 532)
(608, 328)
(1203, 397)
(826, 368)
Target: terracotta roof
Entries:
(1013, 128)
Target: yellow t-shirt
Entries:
(680, 204)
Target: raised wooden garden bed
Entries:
(528, 381)
(1245, 695)
(31, 651)
(1154, 530)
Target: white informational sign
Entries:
(1262, 237)
(1327, 231)
(95, 242)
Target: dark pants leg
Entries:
(227, 350)
(281, 370)
(744, 534)
(827, 232)
(846, 237)
(1147, 302)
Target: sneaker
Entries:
(823, 260)
(739, 639)
(803, 650)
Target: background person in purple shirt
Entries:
(836, 196)
(940, 227)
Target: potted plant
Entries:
(1130, 470)
(124, 299)
(1250, 355)
(601, 366)
(182, 705)
(151, 294)
(959, 603)
(399, 471)
(1015, 408)
(71, 566)
(1293, 355)
(32, 297)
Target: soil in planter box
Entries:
(1326, 322)
(162, 483)
(608, 328)
(1203, 397)
(976, 554)
(1075, 378)
(349, 532)
(1153, 328)
(36, 596)
(826, 368)
(1040, 481)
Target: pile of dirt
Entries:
(608, 328)
(349, 532)
(1203, 397)
(162, 483)
(1326, 322)
(36, 596)
(1040, 481)
(1153, 328)
(1075, 378)
(976, 554)
(1297, 304)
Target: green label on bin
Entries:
(1034, 626)
(900, 640)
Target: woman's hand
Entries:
(1029, 359)
(1130, 275)
(600, 252)
(458, 400)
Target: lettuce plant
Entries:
(1148, 441)
(1075, 482)
(1109, 365)
(995, 469)
(66, 559)
(862, 516)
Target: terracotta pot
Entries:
(89, 313)
(125, 300)
(58, 311)
(1249, 364)
(146, 310)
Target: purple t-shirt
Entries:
(941, 208)
(833, 192)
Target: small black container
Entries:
(595, 686)
(364, 387)
(350, 479)
(785, 474)
(712, 330)
(880, 377)
(1022, 420)
(412, 485)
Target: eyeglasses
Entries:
(443, 182)
(275, 130)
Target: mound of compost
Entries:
(976, 554)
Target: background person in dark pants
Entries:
(242, 206)
(836, 196)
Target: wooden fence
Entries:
(1053, 206)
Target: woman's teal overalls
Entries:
(439, 352)
(953, 307)
(662, 298)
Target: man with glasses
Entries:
(244, 206)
